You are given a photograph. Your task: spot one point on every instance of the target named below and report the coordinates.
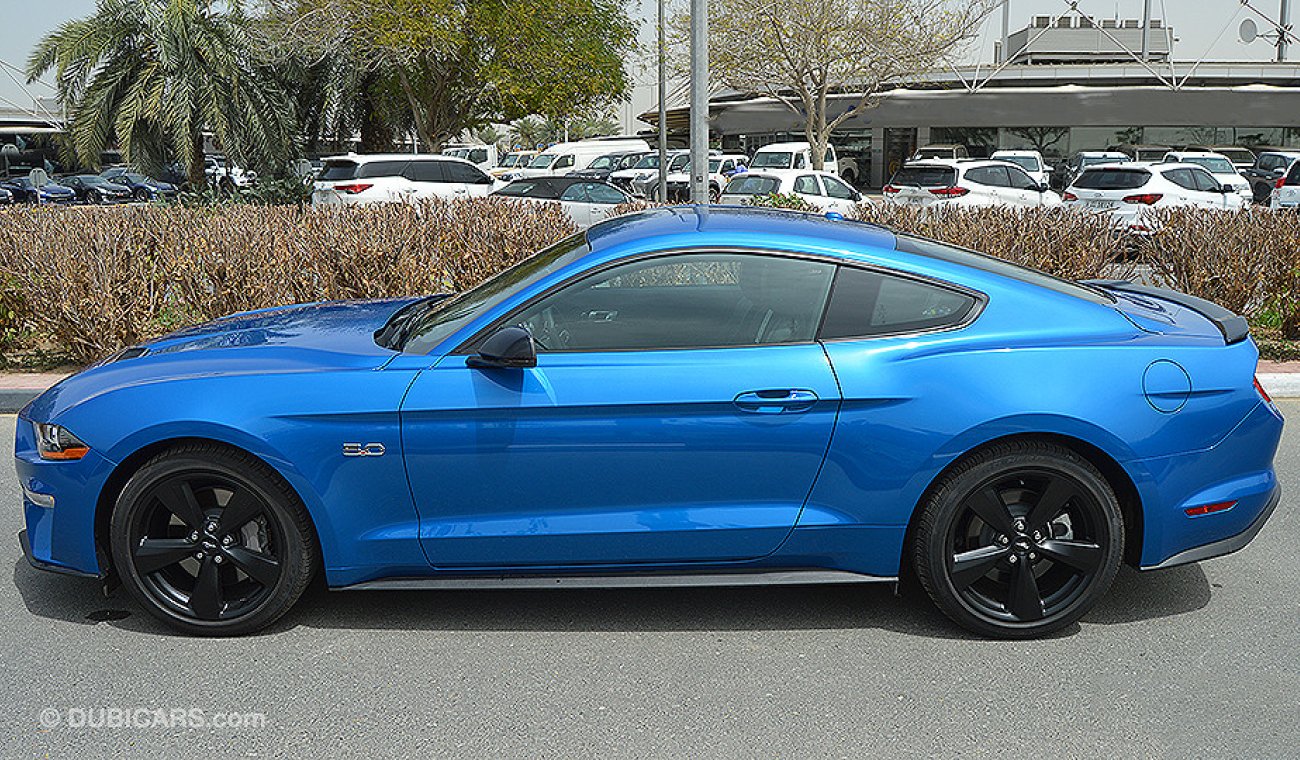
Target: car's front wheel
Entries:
(210, 541)
(1019, 540)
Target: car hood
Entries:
(332, 335)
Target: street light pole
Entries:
(663, 110)
(699, 101)
(1284, 21)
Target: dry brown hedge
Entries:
(85, 282)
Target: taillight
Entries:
(1069, 196)
(1281, 182)
(889, 189)
(1262, 393)
(1146, 199)
(359, 187)
(949, 192)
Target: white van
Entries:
(563, 158)
(483, 156)
(792, 155)
(354, 180)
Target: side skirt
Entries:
(620, 580)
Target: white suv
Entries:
(1129, 191)
(966, 183)
(822, 190)
(1029, 160)
(721, 169)
(1218, 165)
(385, 178)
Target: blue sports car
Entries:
(684, 396)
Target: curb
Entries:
(14, 399)
(1281, 384)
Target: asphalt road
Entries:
(1194, 662)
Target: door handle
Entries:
(776, 401)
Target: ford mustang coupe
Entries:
(684, 396)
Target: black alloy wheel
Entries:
(210, 541)
(1020, 540)
(140, 194)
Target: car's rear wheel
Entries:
(140, 195)
(1019, 540)
(210, 541)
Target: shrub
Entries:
(788, 201)
(104, 280)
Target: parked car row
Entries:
(114, 185)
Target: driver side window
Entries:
(698, 300)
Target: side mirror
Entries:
(857, 197)
(1044, 187)
(508, 347)
(1227, 189)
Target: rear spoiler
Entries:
(1233, 326)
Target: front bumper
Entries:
(47, 566)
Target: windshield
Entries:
(542, 160)
(772, 160)
(139, 179)
(1094, 160)
(678, 163)
(925, 176)
(1112, 179)
(648, 162)
(1028, 163)
(749, 184)
(1212, 164)
(604, 162)
(443, 318)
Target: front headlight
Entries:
(56, 443)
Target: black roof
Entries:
(549, 187)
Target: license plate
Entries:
(1099, 204)
(325, 197)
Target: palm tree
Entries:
(153, 75)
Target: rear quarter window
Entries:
(865, 303)
(338, 170)
(1112, 179)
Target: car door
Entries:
(840, 197)
(576, 204)
(468, 179)
(602, 199)
(679, 411)
(807, 186)
(1023, 189)
(987, 185)
(1210, 191)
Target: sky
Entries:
(1202, 28)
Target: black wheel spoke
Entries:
(1080, 555)
(1051, 503)
(153, 554)
(178, 497)
(970, 566)
(260, 567)
(206, 599)
(1023, 599)
(988, 505)
(242, 507)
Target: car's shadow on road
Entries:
(1134, 597)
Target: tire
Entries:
(1019, 540)
(211, 541)
(94, 198)
(140, 195)
(715, 194)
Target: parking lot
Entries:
(1194, 662)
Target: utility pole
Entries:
(699, 101)
(1006, 32)
(1284, 22)
(1146, 30)
(663, 110)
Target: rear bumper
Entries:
(1226, 545)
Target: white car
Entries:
(484, 156)
(1130, 191)
(1218, 165)
(1029, 160)
(721, 169)
(644, 176)
(823, 190)
(585, 201)
(387, 178)
(512, 162)
(564, 158)
(966, 183)
(225, 175)
(1286, 191)
(792, 155)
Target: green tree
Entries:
(461, 64)
(153, 75)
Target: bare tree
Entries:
(805, 52)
